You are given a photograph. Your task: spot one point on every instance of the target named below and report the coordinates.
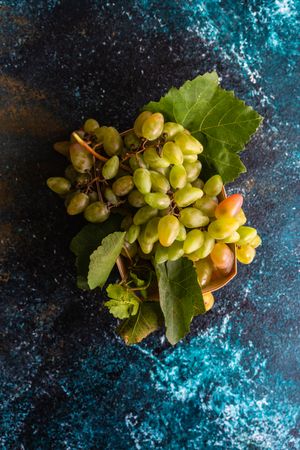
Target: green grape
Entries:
(193, 218)
(139, 122)
(245, 254)
(68, 197)
(77, 203)
(161, 254)
(182, 233)
(112, 143)
(133, 233)
(141, 161)
(82, 179)
(168, 229)
(100, 134)
(81, 159)
(136, 199)
(190, 158)
(122, 186)
(213, 186)
(153, 126)
(111, 167)
(62, 147)
(137, 162)
(96, 212)
(131, 141)
(165, 171)
(208, 300)
(59, 185)
(126, 222)
(146, 247)
(194, 240)
(240, 217)
(150, 233)
(223, 228)
(129, 250)
(159, 182)
(172, 153)
(110, 196)
(247, 234)
(204, 269)
(178, 177)
(234, 237)
(171, 129)
(175, 251)
(192, 170)
(142, 180)
(90, 125)
(198, 183)
(187, 195)
(222, 257)
(144, 214)
(188, 144)
(157, 200)
(133, 162)
(93, 197)
(153, 160)
(164, 212)
(71, 174)
(256, 242)
(207, 205)
(206, 247)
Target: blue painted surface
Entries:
(67, 381)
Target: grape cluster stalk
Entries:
(152, 176)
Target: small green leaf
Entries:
(137, 281)
(148, 319)
(123, 304)
(86, 241)
(179, 294)
(104, 258)
(207, 110)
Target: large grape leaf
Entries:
(86, 241)
(205, 109)
(103, 259)
(148, 319)
(179, 296)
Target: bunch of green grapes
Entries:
(152, 175)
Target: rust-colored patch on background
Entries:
(25, 110)
(6, 197)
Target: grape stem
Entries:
(93, 152)
(96, 179)
(88, 148)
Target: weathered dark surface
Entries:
(67, 380)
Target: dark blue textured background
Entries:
(67, 381)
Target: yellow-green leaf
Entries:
(104, 258)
